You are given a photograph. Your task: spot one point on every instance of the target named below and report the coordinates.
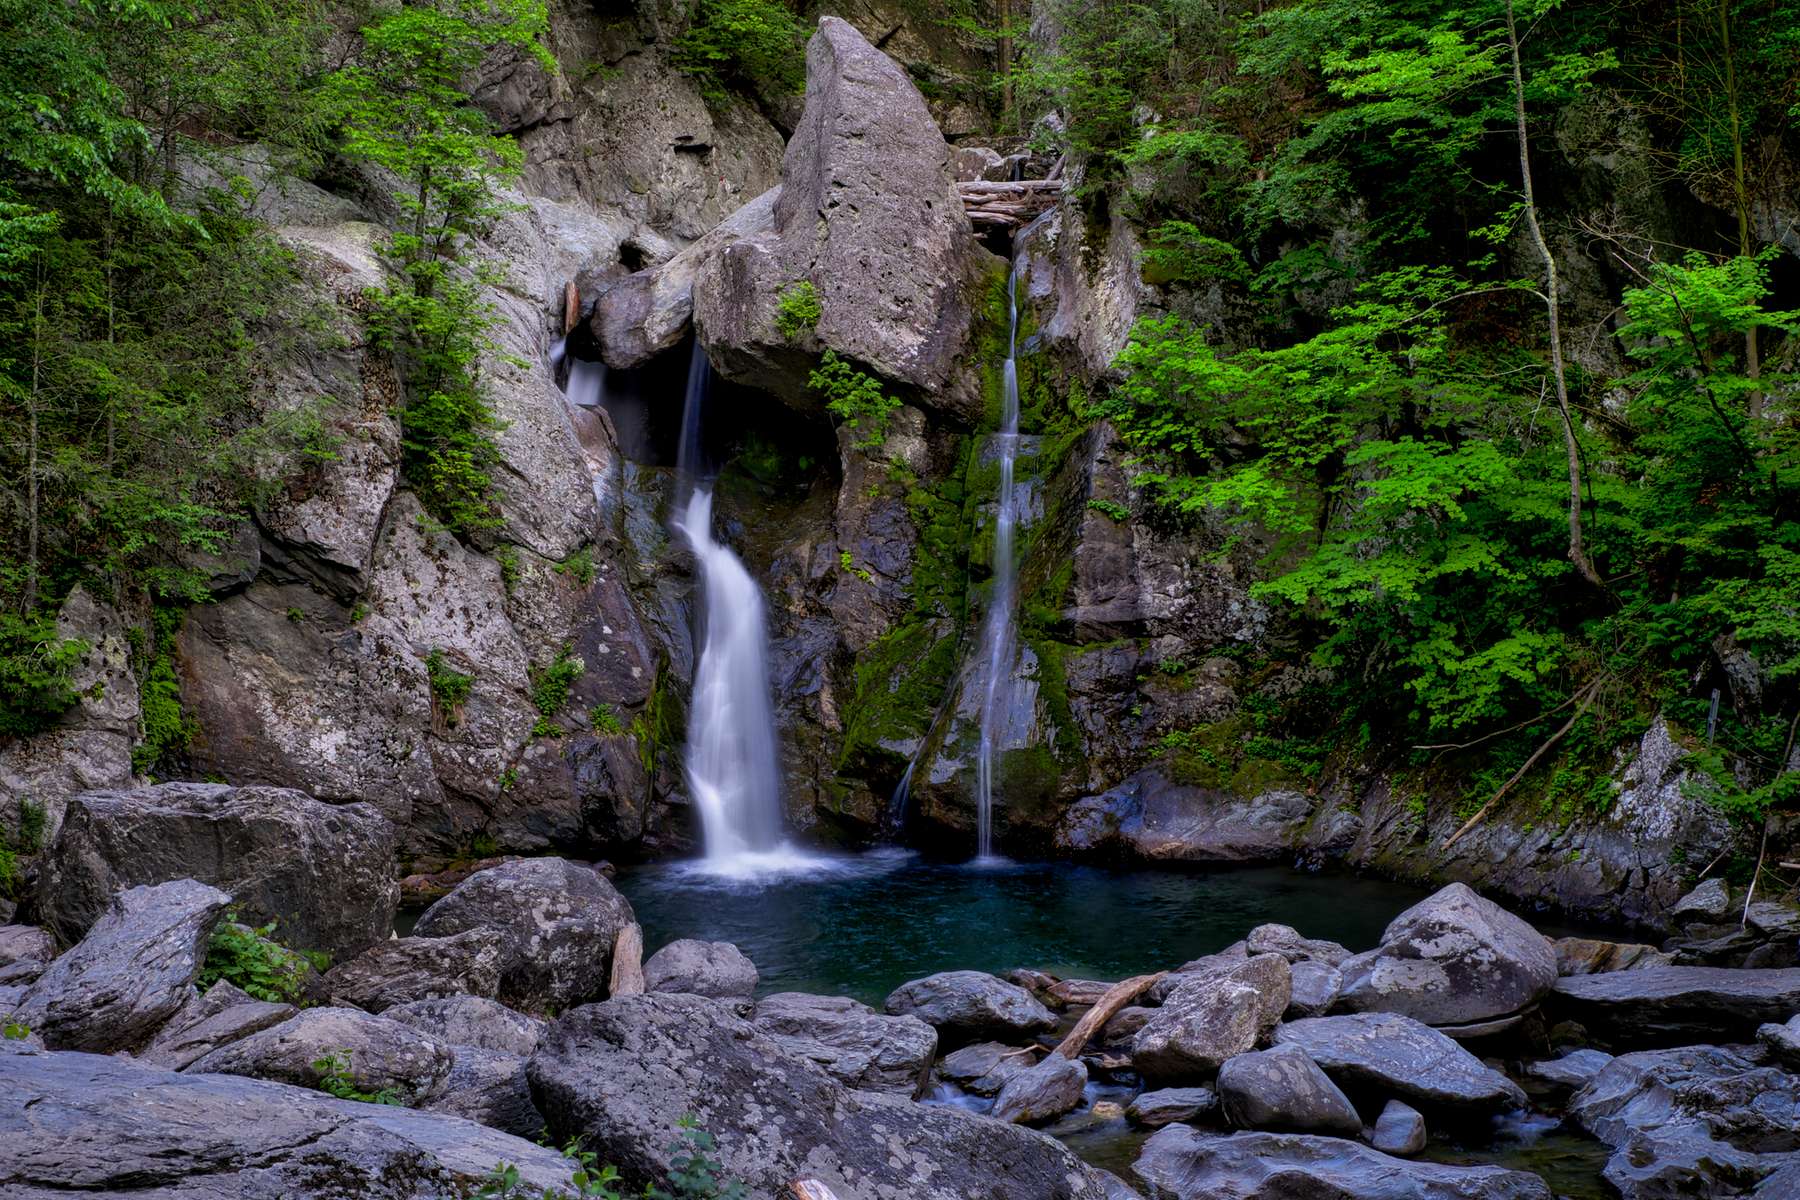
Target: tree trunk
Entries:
(1006, 57)
(1740, 188)
(31, 455)
(1577, 550)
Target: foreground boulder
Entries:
(225, 1014)
(1214, 1015)
(1693, 1121)
(853, 1043)
(1672, 1005)
(716, 969)
(964, 1005)
(1284, 1089)
(1181, 1163)
(1451, 959)
(558, 921)
(133, 971)
(490, 1089)
(324, 871)
(1384, 1054)
(97, 1125)
(867, 215)
(415, 968)
(622, 1074)
(374, 1055)
(1042, 1092)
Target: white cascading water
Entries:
(996, 643)
(733, 773)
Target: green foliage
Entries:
(847, 563)
(253, 960)
(854, 397)
(167, 729)
(587, 1181)
(337, 1079)
(550, 687)
(449, 687)
(755, 45)
(694, 1174)
(797, 309)
(1111, 508)
(579, 566)
(604, 720)
(37, 666)
(508, 558)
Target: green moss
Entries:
(797, 309)
(900, 680)
(167, 729)
(449, 687)
(550, 687)
(658, 728)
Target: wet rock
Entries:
(99, 1125)
(1586, 956)
(1698, 1120)
(1124, 1024)
(1710, 901)
(324, 871)
(1782, 1041)
(1181, 1163)
(1400, 1129)
(1286, 941)
(1315, 987)
(1150, 817)
(1042, 1092)
(1670, 1005)
(851, 1042)
(401, 970)
(1213, 1016)
(965, 1005)
(1385, 1053)
(1571, 1071)
(716, 969)
(867, 214)
(558, 919)
(1283, 1089)
(1165, 1106)
(225, 1014)
(489, 1088)
(131, 973)
(374, 1054)
(1453, 958)
(985, 1067)
(622, 1073)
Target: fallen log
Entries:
(811, 1189)
(628, 962)
(1013, 185)
(1116, 997)
(982, 218)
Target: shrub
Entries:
(855, 397)
(253, 960)
(449, 687)
(167, 729)
(797, 309)
(550, 686)
(36, 672)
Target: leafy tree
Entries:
(749, 44)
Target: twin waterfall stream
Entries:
(733, 759)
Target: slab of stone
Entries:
(1674, 1005)
(1386, 1055)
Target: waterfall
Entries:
(996, 642)
(733, 774)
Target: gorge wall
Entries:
(315, 665)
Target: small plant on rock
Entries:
(605, 720)
(449, 687)
(579, 566)
(797, 309)
(550, 686)
(335, 1079)
(251, 959)
(694, 1174)
(855, 397)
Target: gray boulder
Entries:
(1153, 1110)
(98, 1125)
(622, 1073)
(25, 944)
(1694, 1121)
(1570, 1071)
(1181, 1163)
(1215, 1015)
(1400, 1129)
(964, 1005)
(985, 1067)
(471, 1021)
(851, 1042)
(324, 871)
(401, 970)
(1313, 990)
(868, 215)
(1709, 903)
(1283, 1089)
(1451, 959)
(1385, 1054)
(131, 973)
(1286, 941)
(222, 1016)
(559, 921)
(1672, 1005)
(716, 969)
(374, 1054)
(1149, 816)
(1783, 1041)
(490, 1089)
(1042, 1092)
(1588, 956)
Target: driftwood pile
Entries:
(1008, 205)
